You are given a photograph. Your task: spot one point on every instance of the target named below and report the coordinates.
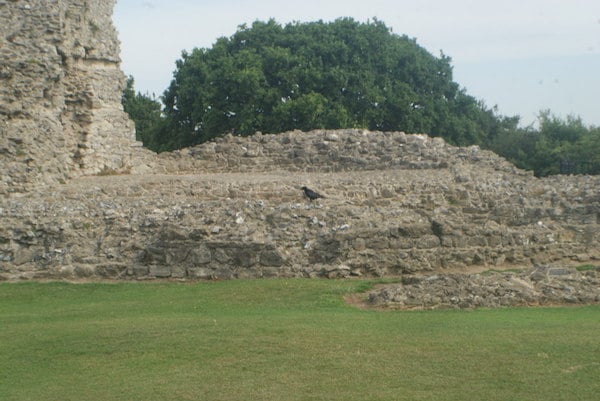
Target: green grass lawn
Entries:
(282, 340)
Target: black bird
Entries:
(310, 194)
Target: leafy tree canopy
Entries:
(565, 146)
(274, 78)
(343, 74)
(145, 111)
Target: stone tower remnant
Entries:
(60, 93)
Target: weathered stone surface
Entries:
(60, 94)
(232, 224)
(395, 203)
(542, 285)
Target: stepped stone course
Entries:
(80, 200)
(410, 204)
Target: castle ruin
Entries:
(75, 201)
(60, 93)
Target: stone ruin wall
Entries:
(60, 93)
(396, 203)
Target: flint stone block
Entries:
(111, 270)
(200, 255)
(159, 271)
(271, 257)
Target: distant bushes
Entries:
(557, 146)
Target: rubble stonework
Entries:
(60, 93)
(537, 286)
(395, 204)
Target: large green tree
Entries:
(343, 74)
(145, 111)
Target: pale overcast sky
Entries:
(521, 55)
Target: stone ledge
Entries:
(538, 286)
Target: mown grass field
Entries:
(282, 340)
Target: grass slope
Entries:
(282, 340)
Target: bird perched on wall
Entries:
(310, 194)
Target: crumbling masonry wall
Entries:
(395, 203)
(60, 93)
